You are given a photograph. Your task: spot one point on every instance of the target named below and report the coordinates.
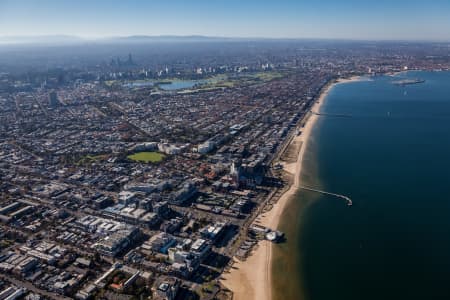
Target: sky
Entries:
(335, 19)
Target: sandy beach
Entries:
(251, 279)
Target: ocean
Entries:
(391, 156)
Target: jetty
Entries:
(404, 82)
(331, 115)
(347, 199)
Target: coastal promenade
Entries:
(252, 279)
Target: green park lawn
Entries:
(147, 157)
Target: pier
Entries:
(347, 199)
(408, 82)
(331, 115)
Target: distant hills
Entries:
(168, 38)
(148, 39)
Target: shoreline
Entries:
(252, 278)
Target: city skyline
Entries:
(349, 19)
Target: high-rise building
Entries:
(130, 60)
(235, 172)
(53, 101)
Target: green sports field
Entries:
(147, 157)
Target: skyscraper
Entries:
(53, 101)
(130, 60)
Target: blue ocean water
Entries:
(392, 157)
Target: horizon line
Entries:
(175, 36)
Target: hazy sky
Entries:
(354, 19)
